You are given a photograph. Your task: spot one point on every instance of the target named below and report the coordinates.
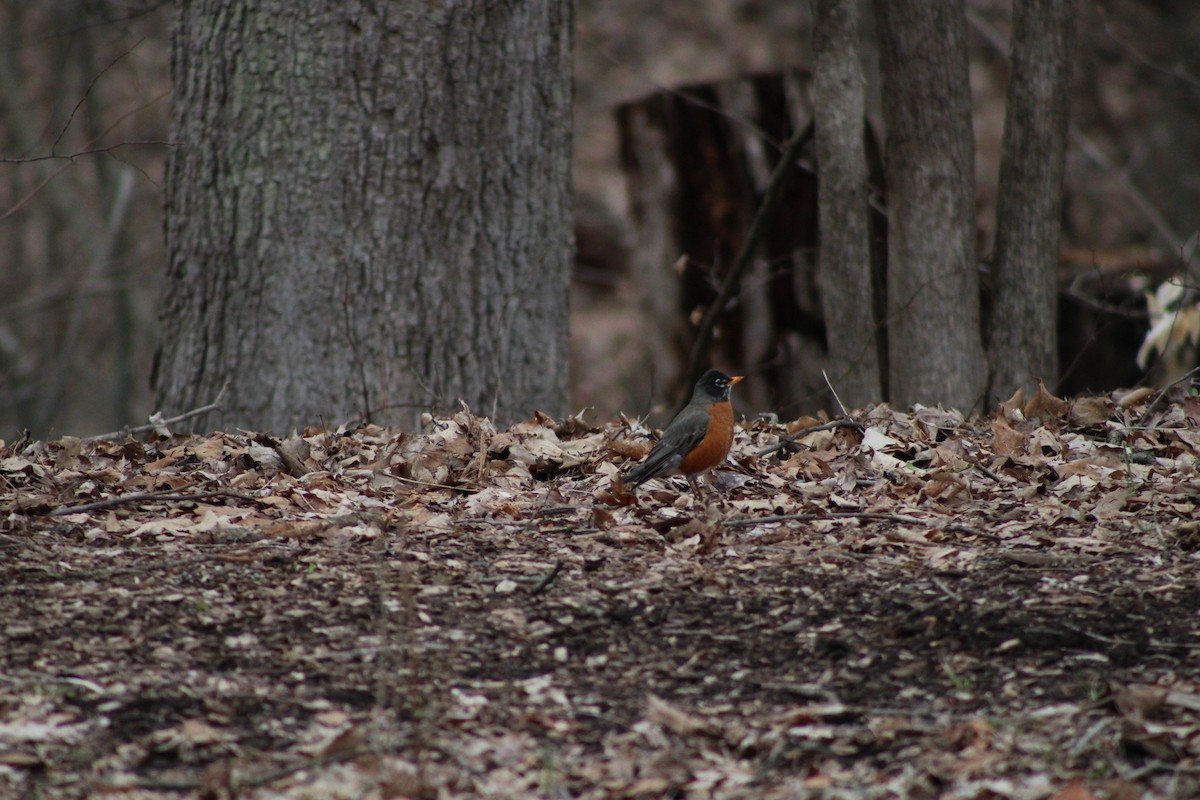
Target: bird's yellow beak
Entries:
(735, 380)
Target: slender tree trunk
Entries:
(368, 210)
(934, 341)
(1023, 340)
(845, 253)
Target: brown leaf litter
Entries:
(920, 606)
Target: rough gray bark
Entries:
(934, 341)
(1023, 340)
(845, 254)
(368, 210)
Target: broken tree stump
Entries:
(697, 160)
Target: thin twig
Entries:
(987, 472)
(870, 516)
(118, 209)
(732, 282)
(1090, 149)
(320, 761)
(1076, 292)
(692, 99)
(800, 434)
(91, 151)
(32, 192)
(1158, 398)
(545, 582)
(1177, 72)
(431, 485)
(258, 781)
(156, 497)
(215, 405)
(1148, 210)
(46, 576)
(79, 104)
(833, 391)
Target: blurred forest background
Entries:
(84, 98)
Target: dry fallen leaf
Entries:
(1075, 790)
(1136, 397)
(1089, 411)
(467, 588)
(674, 718)
(1013, 404)
(1045, 406)
(1005, 440)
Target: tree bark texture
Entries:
(849, 296)
(1023, 336)
(934, 340)
(368, 210)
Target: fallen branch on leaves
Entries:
(800, 434)
(42, 575)
(870, 516)
(545, 582)
(157, 422)
(1152, 406)
(150, 497)
(220, 775)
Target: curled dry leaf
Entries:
(674, 718)
(1045, 406)
(1087, 412)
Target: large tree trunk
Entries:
(1023, 339)
(934, 342)
(848, 292)
(367, 210)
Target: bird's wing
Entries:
(687, 430)
(684, 433)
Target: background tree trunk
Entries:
(848, 296)
(934, 340)
(368, 210)
(697, 159)
(1023, 339)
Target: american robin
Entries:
(698, 438)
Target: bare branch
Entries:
(691, 99)
(86, 92)
(1090, 149)
(732, 282)
(1158, 398)
(215, 405)
(800, 434)
(147, 497)
(118, 208)
(1140, 201)
(35, 191)
(867, 516)
(1177, 72)
(52, 156)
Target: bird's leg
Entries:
(695, 487)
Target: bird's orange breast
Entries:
(716, 442)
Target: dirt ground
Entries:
(924, 606)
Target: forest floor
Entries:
(924, 606)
